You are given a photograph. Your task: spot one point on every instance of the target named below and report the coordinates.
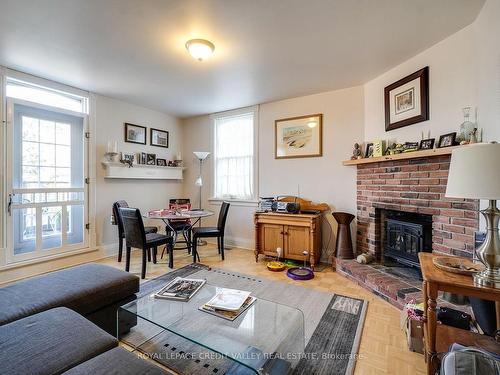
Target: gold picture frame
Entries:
(298, 137)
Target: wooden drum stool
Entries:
(344, 240)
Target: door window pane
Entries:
(24, 230)
(51, 227)
(75, 224)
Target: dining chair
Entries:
(181, 225)
(218, 231)
(117, 220)
(136, 236)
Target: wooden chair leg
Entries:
(149, 254)
(144, 261)
(222, 247)
(127, 259)
(155, 252)
(170, 248)
(218, 244)
(120, 249)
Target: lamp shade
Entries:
(201, 155)
(475, 172)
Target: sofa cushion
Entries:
(50, 342)
(84, 289)
(116, 361)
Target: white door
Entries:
(46, 181)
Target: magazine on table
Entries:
(228, 299)
(229, 315)
(180, 289)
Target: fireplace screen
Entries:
(404, 240)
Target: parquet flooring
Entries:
(383, 347)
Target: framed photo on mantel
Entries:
(407, 100)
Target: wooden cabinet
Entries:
(294, 233)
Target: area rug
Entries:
(333, 325)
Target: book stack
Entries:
(228, 303)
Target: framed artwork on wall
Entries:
(298, 137)
(407, 100)
(135, 133)
(158, 138)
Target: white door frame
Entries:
(38, 253)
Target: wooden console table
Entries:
(294, 233)
(439, 337)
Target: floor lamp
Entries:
(201, 156)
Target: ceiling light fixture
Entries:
(200, 49)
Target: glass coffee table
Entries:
(267, 338)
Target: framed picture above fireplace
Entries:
(407, 100)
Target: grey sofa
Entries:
(46, 324)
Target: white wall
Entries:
(322, 179)
(144, 194)
(464, 71)
(487, 67)
(451, 87)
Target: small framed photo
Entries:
(143, 158)
(427, 144)
(127, 157)
(369, 150)
(135, 133)
(447, 140)
(161, 162)
(158, 138)
(151, 159)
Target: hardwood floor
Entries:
(383, 348)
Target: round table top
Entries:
(171, 215)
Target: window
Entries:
(234, 156)
(37, 94)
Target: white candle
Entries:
(112, 146)
(179, 156)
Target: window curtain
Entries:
(234, 148)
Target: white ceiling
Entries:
(265, 49)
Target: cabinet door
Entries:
(297, 240)
(271, 238)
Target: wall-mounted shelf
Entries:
(402, 156)
(141, 171)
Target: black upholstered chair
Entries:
(121, 232)
(136, 236)
(218, 231)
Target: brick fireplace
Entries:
(415, 186)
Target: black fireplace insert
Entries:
(405, 236)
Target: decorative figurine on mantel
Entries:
(356, 153)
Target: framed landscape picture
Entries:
(407, 100)
(158, 138)
(135, 133)
(299, 137)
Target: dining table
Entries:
(192, 218)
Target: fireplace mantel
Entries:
(403, 156)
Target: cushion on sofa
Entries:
(116, 361)
(50, 342)
(84, 289)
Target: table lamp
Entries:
(475, 174)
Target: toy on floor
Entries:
(276, 265)
(301, 273)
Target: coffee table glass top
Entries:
(267, 334)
